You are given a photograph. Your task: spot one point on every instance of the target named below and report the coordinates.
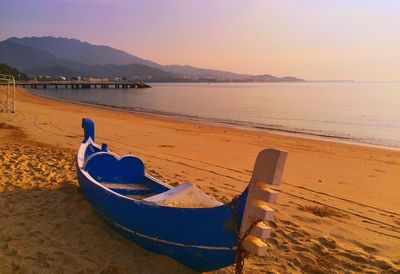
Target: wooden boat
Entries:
(182, 222)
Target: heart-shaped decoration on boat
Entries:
(107, 167)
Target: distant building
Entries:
(120, 79)
(97, 80)
(42, 77)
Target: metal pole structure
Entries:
(1, 98)
(13, 109)
(8, 96)
(7, 105)
(3, 106)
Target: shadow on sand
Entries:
(46, 224)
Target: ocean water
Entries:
(365, 112)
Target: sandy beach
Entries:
(338, 209)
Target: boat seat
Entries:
(125, 186)
(107, 167)
(128, 189)
(186, 195)
(140, 197)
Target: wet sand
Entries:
(338, 210)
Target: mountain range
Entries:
(71, 58)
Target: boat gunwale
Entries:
(81, 161)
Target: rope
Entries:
(241, 253)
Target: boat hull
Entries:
(203, 239)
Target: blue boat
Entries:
(182, 222)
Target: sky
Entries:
(310, 39)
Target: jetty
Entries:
(82, 85)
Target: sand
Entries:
(338, 209)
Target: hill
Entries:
(5, 69)
(82, 52)
(26, 58)
(132, 72)
(71, 57)
(35, 61)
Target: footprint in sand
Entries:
(289, 223)
(214, 189)
(41, 259)
(11, 252)
(327, 242)
(299, 235)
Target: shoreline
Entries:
(229, 124)
(338, 208)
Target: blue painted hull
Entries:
(145, 210)
(203, 239)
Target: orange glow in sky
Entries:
(314, 40)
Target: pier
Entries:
(82, 85)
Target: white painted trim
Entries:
(81, 152)
(175, 243)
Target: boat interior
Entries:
(126, 176)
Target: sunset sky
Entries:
(314, 40)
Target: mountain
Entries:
(26, 58)
(132, 72)
(82, 52)
(187, 70)
(55, 71)
(35, 61)
(71, 57)
(220, 75)
(5, 69)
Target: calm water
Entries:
(361, 112)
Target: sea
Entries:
(362, 112)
